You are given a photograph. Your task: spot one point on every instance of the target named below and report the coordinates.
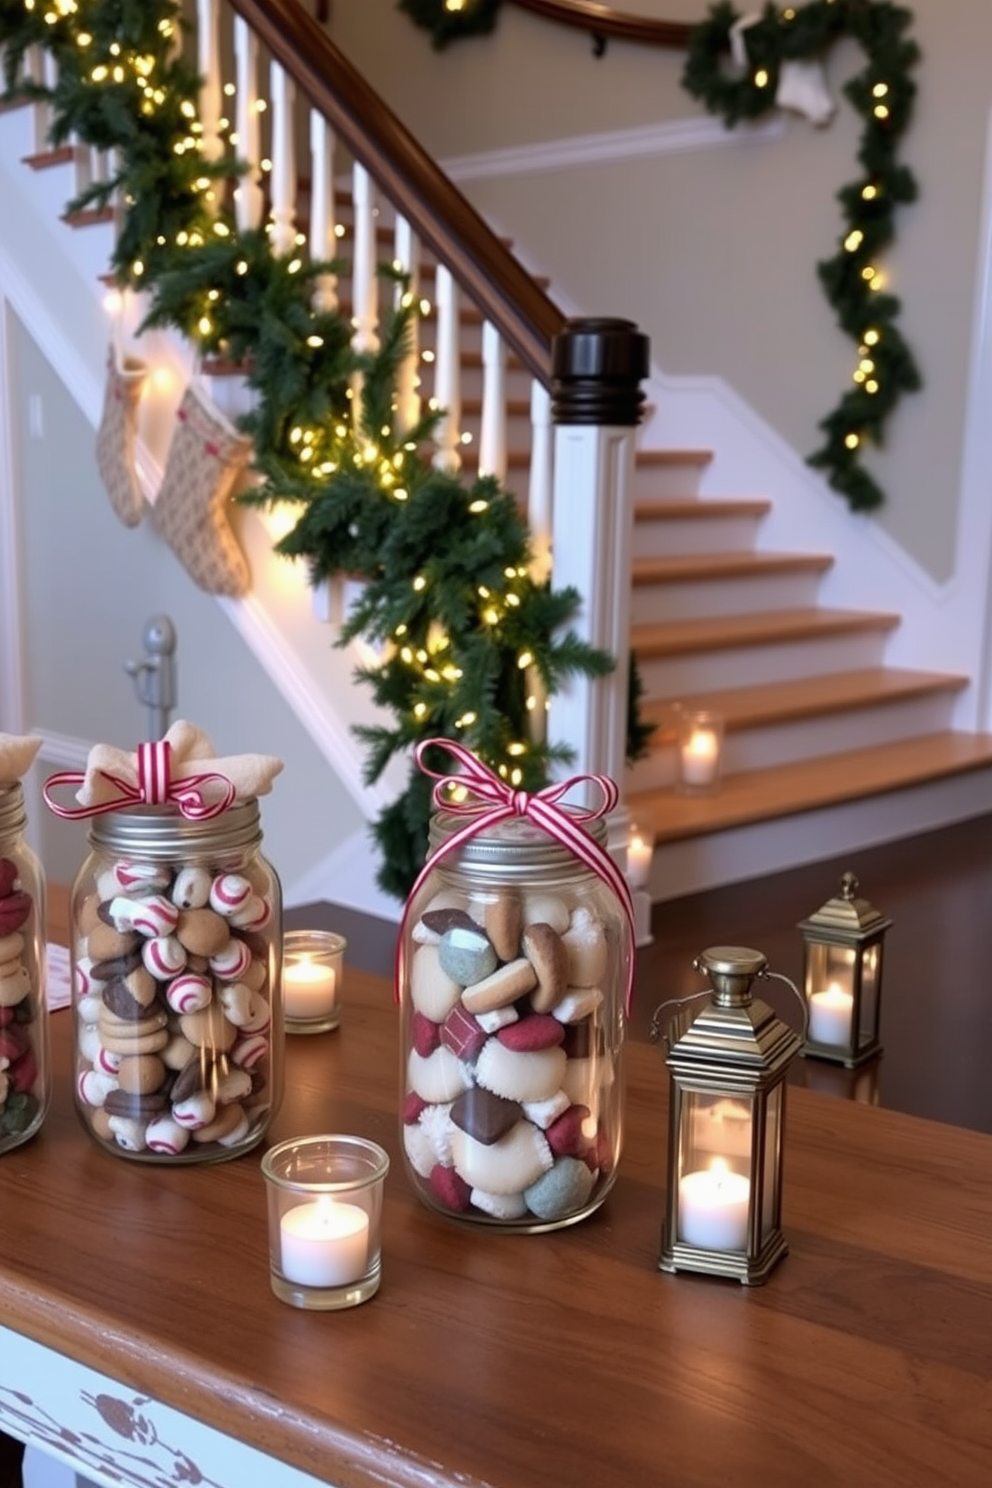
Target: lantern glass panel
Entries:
(771, 1198)
(831, 974)
(871, 967)
(715, 1151)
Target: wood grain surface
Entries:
(532, 1362)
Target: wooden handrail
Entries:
(604, 20)
(441, 216)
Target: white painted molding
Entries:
(11, 669)
(618, 144)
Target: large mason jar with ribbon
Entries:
(514, 972)
(25, 1079)
(176, 951)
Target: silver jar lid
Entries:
(513, 849)
(162, 832)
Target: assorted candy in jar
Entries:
(25, 1082)
(516, 956)
(175, 959)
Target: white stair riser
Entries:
(662, 536)
(702, 599)
(765, 747)
(676, 481)
(745, 666)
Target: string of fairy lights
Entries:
(468, 642)
(853, 277)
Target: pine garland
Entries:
(450, 22)
(883, 95)
(464, 631)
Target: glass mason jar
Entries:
(176, 972)
(25, 1070)
(513, 970)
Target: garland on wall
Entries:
(742, 67)
(782, 47)
(467, 639)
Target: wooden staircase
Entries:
(814, 719)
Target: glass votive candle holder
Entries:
(312, 970)
(700, 751)
(324, 1198)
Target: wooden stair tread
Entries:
(803, 698)
(44, 159)
(88, 217)
(766, 628)
(689, 567)
(680, 509)
(832, 780)
(674, 457)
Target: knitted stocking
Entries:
(206, 457)
(116, 434)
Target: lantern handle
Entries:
(779, 976)
(654, 1033)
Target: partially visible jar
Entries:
(514, 968)
(25, 1070)
(176, 970)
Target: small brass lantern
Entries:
(728, 1063)
(842, 977)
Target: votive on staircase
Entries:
(312, 971)
(324, 1197)
(700, 751)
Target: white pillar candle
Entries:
(700, 757)
(639, 855)
(713, 1206)
(324, 1243)
(309, 988)
(830, 1015)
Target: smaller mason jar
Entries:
(25, 1069)
(176, 971)
(513, 971)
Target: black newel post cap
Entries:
(596, 371)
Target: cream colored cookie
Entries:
(432, 991)
(503, 919)
(504, 1167)
(585, 945)
(547, 909)
(141, 1073)
(545, 950)
(501, 988)
(532, 1076)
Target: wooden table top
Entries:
(532, 1361)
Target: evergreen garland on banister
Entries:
(468, 641)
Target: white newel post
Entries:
(597, 368)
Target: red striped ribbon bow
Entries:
(491, 800)
(155, 787)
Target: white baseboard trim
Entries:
(618, 144)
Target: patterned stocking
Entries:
(116, 434)
(206, 457)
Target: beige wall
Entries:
(89, 585)
(713, 252)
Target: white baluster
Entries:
(208, 63)
(365, 316)
(447, 391)
(248, 194)
(539, 522)
(323, 240)
(281, 94)
(40, 67)
(492, 434)
(407, 248)
(540, 488)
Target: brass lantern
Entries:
(728, 1063)
(842, 977)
